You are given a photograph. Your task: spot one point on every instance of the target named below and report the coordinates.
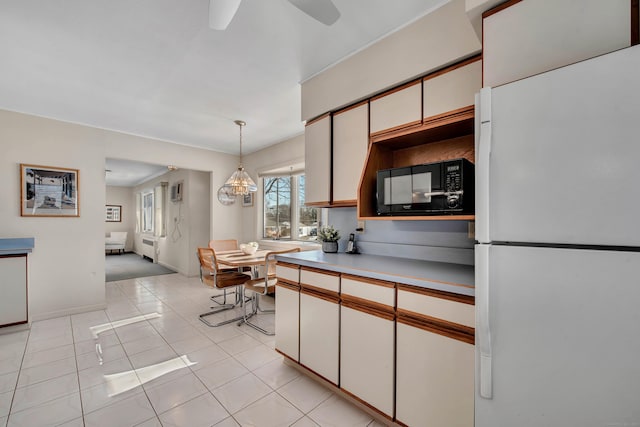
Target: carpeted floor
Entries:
(130, 266)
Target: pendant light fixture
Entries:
(240, 183)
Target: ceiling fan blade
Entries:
(221, 12)
(321, 10)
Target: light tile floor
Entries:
(161, 367)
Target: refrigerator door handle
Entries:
(482, 320)
(483, 158)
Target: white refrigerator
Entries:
(558, 253)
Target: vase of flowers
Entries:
(329, 237)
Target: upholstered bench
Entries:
(116, 241)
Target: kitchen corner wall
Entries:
(443, 241)
(66, 268)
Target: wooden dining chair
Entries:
(262, 286)
(216, 278)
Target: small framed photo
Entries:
(48, 191)
(114, 213)
(247, 200)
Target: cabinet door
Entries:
(13, 294)
(317, 154)
(400, 108)
(525, 38)
(366, 358)
(434, 379)
(287, 320)
(452, 90)
(350, 142)
(319, 331)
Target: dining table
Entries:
(238, 259)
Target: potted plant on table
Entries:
(329, 237)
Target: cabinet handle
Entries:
(482, 320)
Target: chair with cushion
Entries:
(220, 246)
(116, 241)
(263, 286)
(216, 278)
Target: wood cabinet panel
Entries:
(434, 379)
(13, 295)
(452, 90)
(317, 154)
(319, 336)
(397, 109)
(450, 311)
(318, 279)
(379, 292)
(289, 273)
(367, 358)
(350, 142)
(287, 321)
(524, 39)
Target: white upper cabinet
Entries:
(452, 90)
(533, 36)
(317, 155)
(396, 109)
(350, 142)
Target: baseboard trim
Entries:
(67, 312)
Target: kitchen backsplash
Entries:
(444, 241)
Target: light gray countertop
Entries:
(16, 246)
(454, 278)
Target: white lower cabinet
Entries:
(434, 379)
(366, 358)
(13, 291)
(288, 319)
(319, 334)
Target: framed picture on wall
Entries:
(48, 191)
(247, 199)
(114, 213)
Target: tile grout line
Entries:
(75, 355)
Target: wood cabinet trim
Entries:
(464, 299)
(321, 293)
(317, 374)
(288, 265)
(317, 119)
(420, 218)
(283, 283)
(344, 203)
(351, 107)
(438, 326)
(450, 68)
(368, 280)
(635, 22)
(320, 271)
(396, 89)
(405, 126)
(368, 307)
(322, 204)
(365, 403)
(499, 7)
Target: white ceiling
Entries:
(154, 68)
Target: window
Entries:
(285, 216)
(151, 206)
(147, 212)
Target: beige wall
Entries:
(438, 39)
(66, 268)
(122, 196)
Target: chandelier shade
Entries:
(240, 183)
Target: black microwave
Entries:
(441, 188)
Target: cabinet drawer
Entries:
(452, 90)
(397, 109)
(320, 279)
(435, 306)
(288, 272)
(378, 291)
